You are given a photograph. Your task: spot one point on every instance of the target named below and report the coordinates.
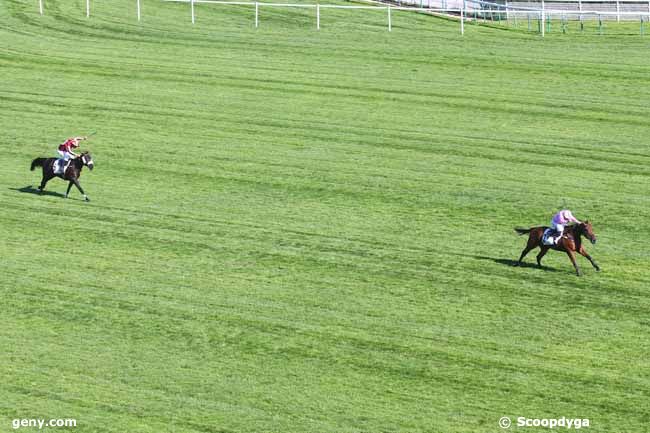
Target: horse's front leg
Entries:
(76, 182)
(69, 187)
(584, 253)
(572, 256)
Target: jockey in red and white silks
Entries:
(65, 148)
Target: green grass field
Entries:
(303, 231)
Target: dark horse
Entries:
(71, 174)
(570, 243)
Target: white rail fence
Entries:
(565, 10)
(318, 7)
(619, 9)
(609, 9)
(542, 11)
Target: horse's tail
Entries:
(38, 162)
(521, 231)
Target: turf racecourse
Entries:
(302, 231)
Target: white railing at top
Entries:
(138, 8)
(318, 7)
(463, 11)
(577, 9)
(620, 9)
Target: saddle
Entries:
(548, 238)
(59, 166)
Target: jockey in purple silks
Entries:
(560, 220)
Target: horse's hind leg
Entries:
(523, 254)
(540, 256)
(68, 190)
(43, 182)
(530, 246)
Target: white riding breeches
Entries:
(65, 155)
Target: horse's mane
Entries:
(79, 160)
(574, 227)
(575, 230)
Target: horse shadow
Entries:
(29, 189)
(515, 263)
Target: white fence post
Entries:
(462, 22)
(192, 8)
(543, 20)
(138, 10)
(87, 8)
(618, 11)
(257, 14)
(507, 13)
(580, 9)
(40, 6)
(390, 25)
(317, 16)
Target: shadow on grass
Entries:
(31, 190)
(515, 263)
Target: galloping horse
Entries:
(570, 243)
(71, 174)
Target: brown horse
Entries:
(71, 174)
(570, 243)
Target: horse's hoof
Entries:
(87, 199)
